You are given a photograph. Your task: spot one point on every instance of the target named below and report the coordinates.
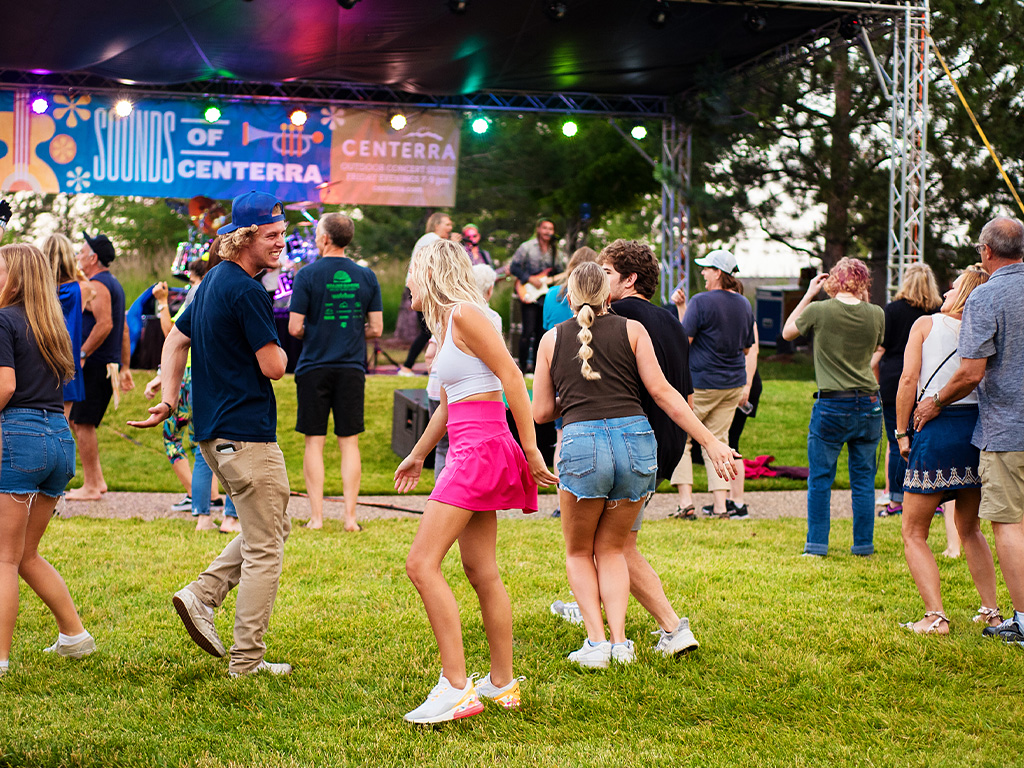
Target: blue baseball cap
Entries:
(252, 209)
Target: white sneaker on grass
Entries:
(267, 667)
(198, 620)
(184, 505)
(78, 650)
(509, 697)
(568, 611)
(593, 655)
(446, 702)
(679, 640)
(623, 653)
(882, 499)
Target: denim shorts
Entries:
(38, 452)
(612, 459)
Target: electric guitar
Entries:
(528, 293)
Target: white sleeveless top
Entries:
(941, 340)
(460, 374)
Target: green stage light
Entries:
(569, 128)
(639, 132)
(480, 125)
(212, 113)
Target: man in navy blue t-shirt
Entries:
(336, 306)
(235, 354)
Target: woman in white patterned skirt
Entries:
(941, 462)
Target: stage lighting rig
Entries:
(570, 129)
(850, 27)
(755, 21)
(660, 14)
(298, 117)
(398, 121)
(556, 11)
(39, 104)
(211, 113)
(480, 125)
(639, 132)
(123, 108)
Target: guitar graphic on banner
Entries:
(21, 169)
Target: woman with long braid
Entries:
(608, 464)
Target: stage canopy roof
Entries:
(409, 46)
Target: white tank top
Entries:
(940, 341)
(460, 374)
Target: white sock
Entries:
(5, 664)
(1019, 617)
(72, 639)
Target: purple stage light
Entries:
(40, 105)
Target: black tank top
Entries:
(110, 350)
(617, 393)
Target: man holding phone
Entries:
(235, 354)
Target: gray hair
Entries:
(1005, 237)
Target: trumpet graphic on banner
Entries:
(291, 141)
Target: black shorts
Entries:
(322, 390)
(98, 391)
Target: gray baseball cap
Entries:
(719, 259)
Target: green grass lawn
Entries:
(134, 460)
(801, 660)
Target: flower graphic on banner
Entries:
(333, 117)
(78, 179)
(73, 107)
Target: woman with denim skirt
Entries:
(847, 410)
(941, 462)
(608, 464)
(38, 451)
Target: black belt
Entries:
(844, 394)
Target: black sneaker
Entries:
(185, 505)
(217, 503)
(709, 509)
(738, 511)
(556, 514)
(1010, 631)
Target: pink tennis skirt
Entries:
(486, 469)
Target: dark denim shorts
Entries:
(38, 452)
(610, 459)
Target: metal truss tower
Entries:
(909, 169)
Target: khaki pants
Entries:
(715, 408)
(254, 475)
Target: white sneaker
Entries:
(446, 702)
(198, 620)
(679, 640)
(73, 650)
(882, 499)
(568, 611)
(268, 667)
(509, 697)
(593, 656)
(623, 653)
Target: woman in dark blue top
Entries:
(59, 252)
(38, 452)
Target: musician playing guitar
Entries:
(532, 265)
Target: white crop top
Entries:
(940, 341)
(460, 374)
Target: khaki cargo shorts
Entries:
(1002, 486)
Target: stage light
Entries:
(480, 125)
(755, 21)
(347, 4)
(660, 14)
(458, 6)
(398, 121)
(555, 11)
(211, 113)
(298, 117)
(639, 132)
(40, 104)
(123, 108)
(850, 26)
(569, 128)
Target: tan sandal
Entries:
(931, 629)
(987, 615)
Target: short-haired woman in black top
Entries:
(608, 463)
(38, 452)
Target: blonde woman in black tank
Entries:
(608, 464)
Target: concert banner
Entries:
(372, 164)
(165, 148)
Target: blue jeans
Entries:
(897, 464)
(37, 453)
(857, 423)
(202, 482)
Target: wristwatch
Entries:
(898, 434)
(935, 399)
